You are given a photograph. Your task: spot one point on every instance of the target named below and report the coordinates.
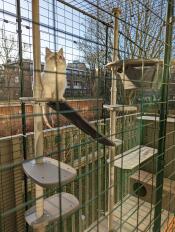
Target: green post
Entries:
(23, 112)
(163, 119)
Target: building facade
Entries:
(78, 80)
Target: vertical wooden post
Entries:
(111, 196)
(38, 124)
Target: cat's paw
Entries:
(62, 99)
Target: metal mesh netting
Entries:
(106, 162)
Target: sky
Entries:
(69, 24)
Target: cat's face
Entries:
(55, 58)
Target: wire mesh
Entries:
(143, 157)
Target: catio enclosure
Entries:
(107, 163)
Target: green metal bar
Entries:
(104, 120)
(72, 141)
(21, 76)
(80, 185)
(163, 119)
(1, 221)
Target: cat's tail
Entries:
(73, 116)
(45, 117)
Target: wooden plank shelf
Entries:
(131, 221)
(121, 108)
(131, 159)
(52, 211)
(46, 173)
(143, 183)
(155, 118)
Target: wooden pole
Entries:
(116, 12)
(38, 123)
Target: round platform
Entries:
(46, 174)
(52, 211)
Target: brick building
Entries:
(78, 80)
(10, 80)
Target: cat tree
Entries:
(113, 109)
(116, 12)
(45, 172)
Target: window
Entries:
(16, 79)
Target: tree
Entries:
(141, 31)
(141, 28)
(9, 47)
(9, 57)
(144, 29)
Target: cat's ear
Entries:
(48, 52)
(61, 51)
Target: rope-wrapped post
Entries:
(37, 110)
(111, 196)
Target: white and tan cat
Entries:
(53, 78)
(53, 87)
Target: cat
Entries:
(54, 83)
(53, 79)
